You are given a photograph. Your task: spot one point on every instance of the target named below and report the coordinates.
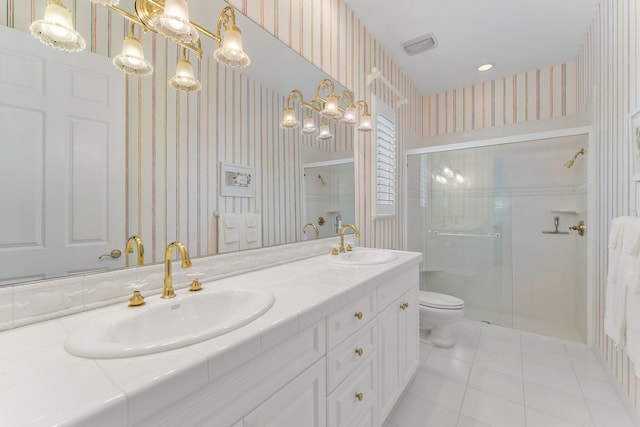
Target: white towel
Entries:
(252, 231)
(623, 282)
(228, 233)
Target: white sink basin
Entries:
(163, 325)
(363, 256)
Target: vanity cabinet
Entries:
(347, 370)
(398, 348)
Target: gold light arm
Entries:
(324, 85)
(362, 105)
(146, 10)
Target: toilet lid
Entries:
(436, 300)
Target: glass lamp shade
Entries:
(230, 53)
(289, 119)
(107, 2)
(325, 132)
(330, 109)
(56, 29)
(350, 115)
(174, 22)
(184, 78)
(132, 60)
(309, 126)
(365, 123)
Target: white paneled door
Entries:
(62, 157)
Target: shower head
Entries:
(573, 159)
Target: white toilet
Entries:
(437, 313)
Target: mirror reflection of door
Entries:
(329, 193)
(61, 162)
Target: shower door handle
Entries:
(580, 228)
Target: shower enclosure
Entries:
(485, 220)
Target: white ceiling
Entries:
(515, 35)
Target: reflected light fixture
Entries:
(230, 52)
(327, 108)
(185, 79)
(56, 28)
(485, 67)
(325, 132)
(289, 119)
(174, 22)
(132, 60)
(309, 125)
(459, 179)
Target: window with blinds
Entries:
(385, 173)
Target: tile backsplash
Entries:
(39, 301)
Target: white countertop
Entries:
(43, 385)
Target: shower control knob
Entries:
(580, 228)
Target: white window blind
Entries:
(385, 171)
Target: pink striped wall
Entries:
(608, 86)
(346, 51)
(539, 94)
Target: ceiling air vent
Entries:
(420, 44)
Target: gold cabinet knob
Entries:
(359, 396)
(359, 351)
(358, 315)
(404, 306)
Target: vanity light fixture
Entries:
(56, 28)
(231, 52)
(132, 60)
(174, 22)
(169, 18)
(184, 79)
(327, 108)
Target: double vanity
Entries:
(330, 340)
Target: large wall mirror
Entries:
(166, 182)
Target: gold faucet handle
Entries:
(136, 300)
(349, 247)
(195, 286)
(335, 251)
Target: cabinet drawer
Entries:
(346, 356)
(389, 292)
(355, 397)
(346, 321)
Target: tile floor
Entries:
(499, 377)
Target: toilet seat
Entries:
(441, 301)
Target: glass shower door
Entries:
(460, 220)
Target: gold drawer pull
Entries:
(358, 315)
(359, 396)
(359, 351)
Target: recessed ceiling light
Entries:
(485, 67)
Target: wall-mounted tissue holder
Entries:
(556, 222)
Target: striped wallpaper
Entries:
(176, 141)
(534, 95)
(608, 85)
(347, 51)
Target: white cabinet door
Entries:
(411, 329)
(302, 402)
(398, 348)
(389, 357)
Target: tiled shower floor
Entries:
(500, 377)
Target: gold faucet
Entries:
(129, 248)
(304, 229)
(168, 292)
(342, 230)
